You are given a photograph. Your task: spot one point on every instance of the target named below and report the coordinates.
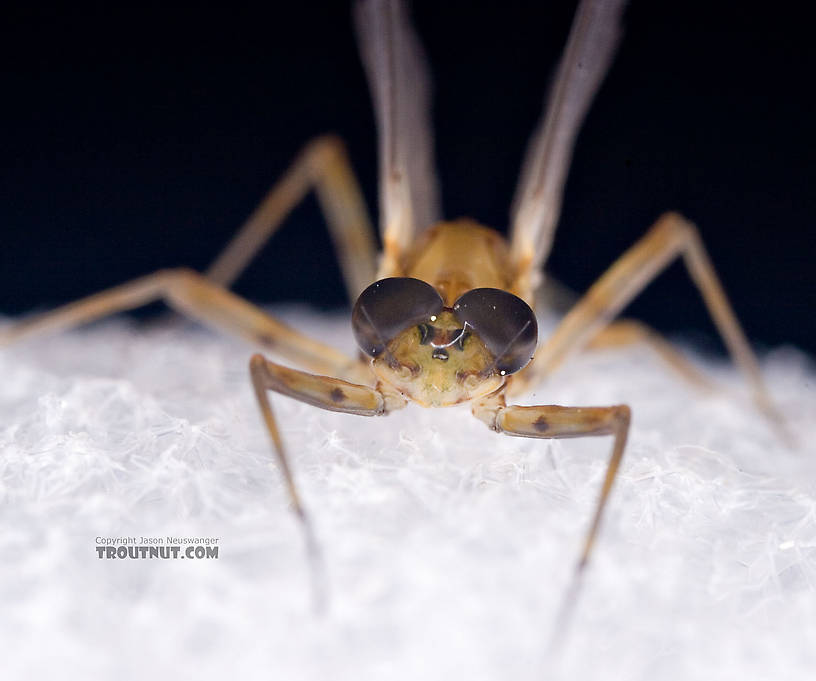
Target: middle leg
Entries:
(626, 332)
(671, 236)
(194, 295)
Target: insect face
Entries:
(439, 356)
(438, 363)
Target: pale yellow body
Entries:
(454, 257)
(457, 256)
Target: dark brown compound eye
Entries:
(390, 306)
(504, 322)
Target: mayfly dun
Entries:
(444, 315)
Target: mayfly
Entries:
(445, 315)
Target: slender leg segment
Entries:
(324, 166)
(320, 391)
(672, 235)
(555, 296)
(194, 295)
(629, 332)
(332, 394)
(552, 422)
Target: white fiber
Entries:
(448, 548)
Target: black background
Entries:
(140, 136)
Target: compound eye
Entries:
(390, 306)
(505, 323)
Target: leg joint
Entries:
(258, 372)
(676, 223)
(623, 416)
(177, 276)
(257, 364)
(323, 151)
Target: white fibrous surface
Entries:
(447, 549)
